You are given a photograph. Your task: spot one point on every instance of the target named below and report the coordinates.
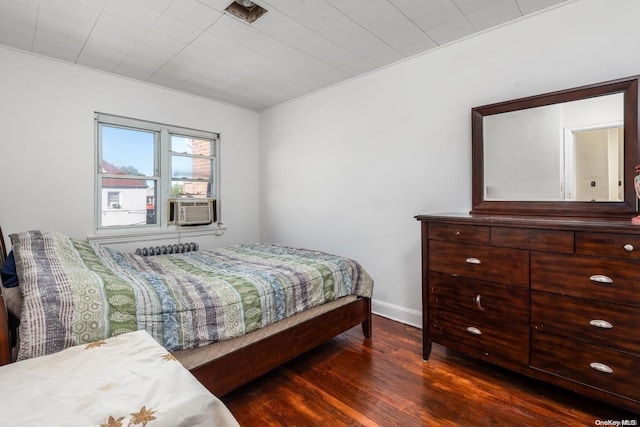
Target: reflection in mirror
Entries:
(567, 151)
(593, 169)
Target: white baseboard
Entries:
(397, 313)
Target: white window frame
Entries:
(162, 174)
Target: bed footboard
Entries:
(232, 370)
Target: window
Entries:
(113, 199)
(142, 165)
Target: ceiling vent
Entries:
(246, 10)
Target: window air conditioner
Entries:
(191, 211)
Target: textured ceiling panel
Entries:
(297, 47)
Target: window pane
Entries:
(128, 151)
(135, 204)
(190, 168)
(196, 189)
(113, 197)
(186, 145)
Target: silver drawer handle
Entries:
(601, 367)
(474, 331)
(473, 261)
(628, 247)
(601, 278)
(478, 302)
(601, 324)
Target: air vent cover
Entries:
(246, 10)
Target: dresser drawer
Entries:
(459, 233)
(478, 299)
(625, 246)
(534, 239)
(602, 279)
(503, 265)
(604, 324)
(585, 363)
(480, 338)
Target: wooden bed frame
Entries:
(5, 336)
(234, 369)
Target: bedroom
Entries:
(343, 170)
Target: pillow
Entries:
(64, 300)
(8, 272)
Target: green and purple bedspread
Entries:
(75, 292)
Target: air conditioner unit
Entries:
(192, 211)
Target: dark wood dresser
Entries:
(555, 299)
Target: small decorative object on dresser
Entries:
(636, 185)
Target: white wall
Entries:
(346, 169)
(47, 157)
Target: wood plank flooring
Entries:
(352, 381)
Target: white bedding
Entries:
(127, 380)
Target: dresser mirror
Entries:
(566, 153)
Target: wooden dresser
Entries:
(558, 300)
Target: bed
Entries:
(228, 315)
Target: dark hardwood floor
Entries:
(383, 381)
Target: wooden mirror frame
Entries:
(626, 208)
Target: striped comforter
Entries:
(75, 292)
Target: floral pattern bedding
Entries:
(75, 292)
(124, 381)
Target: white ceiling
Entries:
(297, 47)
